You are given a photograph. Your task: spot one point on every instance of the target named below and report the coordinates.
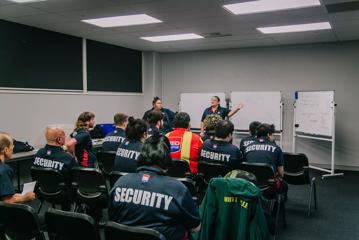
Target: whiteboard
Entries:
(195, 103)
(314, 112)
(265, 107)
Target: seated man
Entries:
(150, 199)
(116, 137)
(219, 149)
(250, 139)
(185, 145)
(7, 190)
(155, 120)
(265, 150)
(53, 155)
(128, 152)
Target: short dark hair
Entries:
(264, 129)
(155, 99)
(154, 116)
(181, 120)
(5, 141)
(120, 118)
(253, 127)
(135, 129)
(223, 129)
(155, 151)
(218, 99)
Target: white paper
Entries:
(28, 187)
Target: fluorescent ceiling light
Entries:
(174, 37)
(26, 1)
(269, 6)
(296, 28)
(119, 21)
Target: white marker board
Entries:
(265, 107)
(314, 112)
(195, 103)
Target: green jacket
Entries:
(232, 209)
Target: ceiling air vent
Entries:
(216, 35)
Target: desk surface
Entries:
(97, 143)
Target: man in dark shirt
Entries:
(219, 149)
(53, 155)
(155, 120)
(116, 137)
(128, 152)
(250, 139)
(7, 190)
(264, 150)
(150, 199)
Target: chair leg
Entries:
(284, 215)
(315, 194)
(310, 199)
(41, 204)
(279, 202)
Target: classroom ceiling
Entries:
(205, 17)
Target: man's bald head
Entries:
(55, 136)
(6, 145)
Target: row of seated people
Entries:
(150, 199)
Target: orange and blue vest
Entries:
(185, 145)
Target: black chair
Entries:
(267, 183)
(20, 222)
(115, 231)
(211, 170)
(89, 186)
(191, 186)
(114, 176)
(179, 169)
(106, 161)
(51, 186)
(63, 225)
(296, 172)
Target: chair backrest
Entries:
(211, 170)
(262, 171)
(88, 180)
(296, 168)
(114, 176)
(115, 231)
(178, 168)
(20, 221)
(190, 184)
(70, 226)
(295, 162)
(48, 180)
(106, 161)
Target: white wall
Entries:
(25, 115)
(310, 67)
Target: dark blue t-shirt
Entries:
(221, 152)
(245, 142)
(127, 155)
(84, 151)
(150, 199)
(221, 111)
(6, 186)
(55, 158)
(168, 117)
(113, 140)
(264, 151)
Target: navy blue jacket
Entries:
(127, 155)
(264, 151)
(245, 142)
(113, 140)
(221, 152)
(150, 199)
